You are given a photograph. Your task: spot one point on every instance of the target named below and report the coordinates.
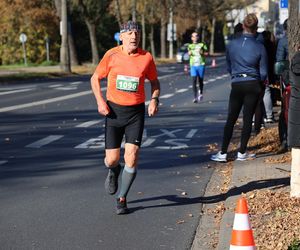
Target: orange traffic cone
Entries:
(242, 235)
(213, 63)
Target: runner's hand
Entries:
(103, 109)
(153, 107)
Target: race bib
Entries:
(127, 83)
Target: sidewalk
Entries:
(267, 174)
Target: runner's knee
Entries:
(131, 156)
(111, 160)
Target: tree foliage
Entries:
(94, 23)
(35, 18)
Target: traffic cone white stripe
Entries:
(241, 222)
(242, 235)
(242, 247)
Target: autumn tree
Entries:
(35, 18)
(93, 11)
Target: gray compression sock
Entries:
(128, 177)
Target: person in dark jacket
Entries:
(282, 52)
(264, 109)
(248, 66)
(294, 124)
(282, 55)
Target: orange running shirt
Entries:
(126, 75)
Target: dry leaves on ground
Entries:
(275, 218)
(266, 141)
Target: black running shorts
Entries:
(128, 120)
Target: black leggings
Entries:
(195, 85)
(243, 94)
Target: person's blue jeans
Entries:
(268, 102)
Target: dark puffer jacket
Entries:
(294, 108)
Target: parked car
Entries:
(182, 55)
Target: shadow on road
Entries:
(180, 201)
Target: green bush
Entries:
(295, 245)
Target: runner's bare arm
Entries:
(103, 109)
(155, 91)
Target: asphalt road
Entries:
(52, 173)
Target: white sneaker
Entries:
(219, 157)
(245, 156)
(200, 97)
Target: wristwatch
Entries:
(156, 98)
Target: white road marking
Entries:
(66, 88)
(181, 90)
(166, 96)
(191, 133)
(147, 142)
(15, 91)
(76, 83)
(98, 142)
(2, 162)
(88, 124)
(44, 141)
(177, 144)
(55, 85)
(37, 103)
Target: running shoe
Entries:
(219, 157)
(122, 206)
(269, 120)
(195, 100)
(245, 156)
(200, 97)
(111, 182)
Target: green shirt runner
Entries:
(196, 59)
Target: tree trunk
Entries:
(293, 26)
(151, 38)
(93, 40)
(133, 10)
(198, 25)
(294, 43)
(72, 48)
(212, 37)
(58, 8)
(118, 12)
(203, 34)
(163, 30)
(143, 31)
(64, 50)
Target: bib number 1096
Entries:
(127, 83)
